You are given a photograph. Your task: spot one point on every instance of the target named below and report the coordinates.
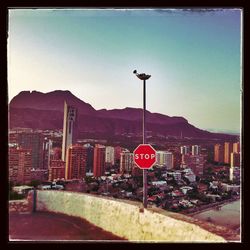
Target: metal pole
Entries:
(145, 186)
(34, 200)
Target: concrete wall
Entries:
(123, 219)
(20, 206)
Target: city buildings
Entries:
(99, 160)
(33, 141)
(76, 162)
(20, 165)
(196, 149)
(185, 150)
(68, 128)
(228, 149)
(165, 158)
(56, 170)
(236, 147)
(110, 155)
(218, 153)
(126, 162)
(234, 165)
(90, 158)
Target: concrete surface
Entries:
(42, 226)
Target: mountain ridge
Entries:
(24, 106)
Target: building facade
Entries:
(228, 149)
(196, 149)
(35, 143)
(99, 160)
(185, 150)
(20, 165)
(164, 158)
(110, 155)
(126, 162)
(218, 153)
(76, 162)
(57, 170)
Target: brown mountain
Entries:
(45, 111)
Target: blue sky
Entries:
(194, 59)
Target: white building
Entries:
(185, 150)
(126, 161)
(110, 155)
(164, 158)
(196, 150)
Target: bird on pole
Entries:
(141, 76)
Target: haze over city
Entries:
(194, 58)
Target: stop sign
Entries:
(144, 156)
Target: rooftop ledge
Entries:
(129, 220)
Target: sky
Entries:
(193, 57)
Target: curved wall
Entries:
(123, 219)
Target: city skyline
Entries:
(194, 59)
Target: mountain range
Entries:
(45, 111)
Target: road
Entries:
(42, 226)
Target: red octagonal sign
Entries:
(144, 156)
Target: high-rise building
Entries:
(110, 155)
(196, 149)
(33, 142)
(76, 161)
(126, 162)
(164, 158)
(117, 154)
(235, 160)
(99, 160)
(234, 165)
(218, 153)
(228, 149)
(236, 147)
(90, 157)
(68, 128)
(56, 170)
(20, 165)
(185, 150)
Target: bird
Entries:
(141, 76)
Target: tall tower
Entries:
(68, 122)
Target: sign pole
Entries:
(144, 77)
(145, 184)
